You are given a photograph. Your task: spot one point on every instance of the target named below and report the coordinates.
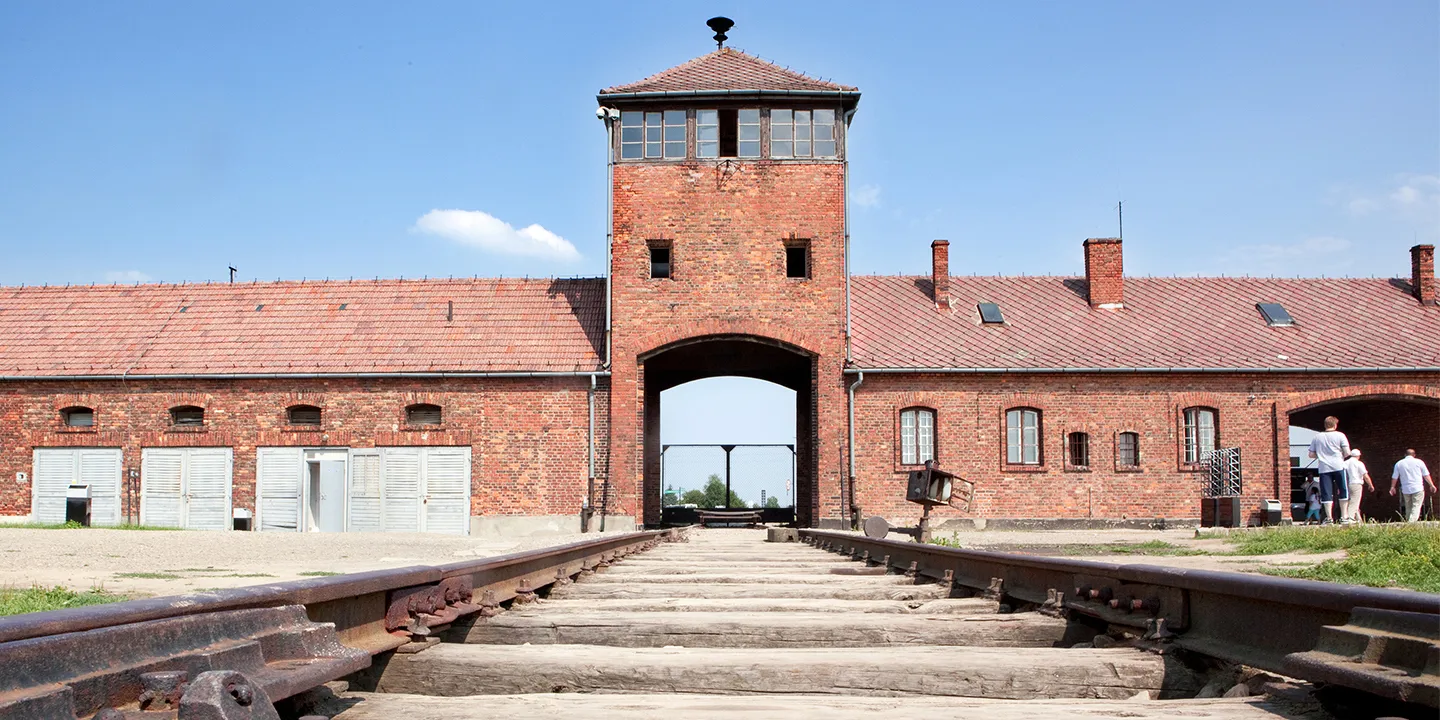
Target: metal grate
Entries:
(1222, 472)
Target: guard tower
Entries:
(727, 255)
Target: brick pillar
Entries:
(940, 272)
(1105, 272)
(1422, 273)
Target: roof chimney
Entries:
(940, 272)
(1422, 273)
(1105, 273)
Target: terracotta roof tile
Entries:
(386, 326)
(1166, 322)
(727, 69)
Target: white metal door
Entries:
(278, 488)
(55, 469)
(401, 489)
(207, 488)
(162, 485)
(364, 514)
(447, 490)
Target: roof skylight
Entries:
(990, 313)
(1275, 314)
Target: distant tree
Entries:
(693, 497)
(714, 495)
(670, 497)
(772, 502)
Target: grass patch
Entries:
(1149, 547)
(148, 575)
(202, 570)
(77, 526)
(318, 573)
(1405, 556)
(40, 599)
(246, 575)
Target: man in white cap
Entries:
(1411, 477)
(1358, 478)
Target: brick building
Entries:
(505, 406)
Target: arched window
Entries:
(187, 416)
(1127, 450)
(1077, 450)
(1201, 430)
(422, 414)
(1022, 436)
(917, 436)
(303, 415)
(78, 416)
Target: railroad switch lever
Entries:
(928, 488)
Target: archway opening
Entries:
(1382, 427)
(732, 403)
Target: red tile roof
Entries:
(1166, 323)
(727, 69)
(387, 326)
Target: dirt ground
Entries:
(141, 563)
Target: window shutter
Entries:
(365, 491)
(53, 472)
(100, 469)
(207, 489)
(161, 479)
(400, 509)
(277, 485)
(447, 490)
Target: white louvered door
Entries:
(162, 479)
(364, 492)
(401, 489)
(278, 488)
(100, 469)
(207, 489)
(51, 475)
(447, 490)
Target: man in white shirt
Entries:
(1411, 477)
(1331, 448)
(1357, 477)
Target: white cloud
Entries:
(867, 196)
(1362, 206)
(491, 234)
(126, 276)
(1322, 255)
(1409, 193)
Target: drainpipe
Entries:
(845, 173)
(611, 115)
(590, 461)
(854, 511)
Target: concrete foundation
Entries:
(538, 525)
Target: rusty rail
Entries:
(262, 643)
(1378, 640)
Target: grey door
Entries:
(330, 505)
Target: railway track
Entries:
(725, 624)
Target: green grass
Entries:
(148, 575)
(1405, 556)
(318, 573)
(202, 570)
(76, 526)
(39, 599)
(245, 575)
(1149, 547)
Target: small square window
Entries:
(797, 261)
(187, 416)
(423, 414)
(78, 417)
(659, 262)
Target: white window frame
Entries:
(1022, 437)
(917, 435)
(1201, 432)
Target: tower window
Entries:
(187, 416)
(727, 133)
(422, 414)
(802, 133)
(303, 415)
(78, 416)
(652, 135)
(797, 260)
(659, 261)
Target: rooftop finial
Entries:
(720, 25)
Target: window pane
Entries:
(824, 148)
(749, 148)
(631, 118)
(707, 133)
(802, 132)
(781, 132)
(749, 117)
(925, 435)
(675, 150)
(673, 133)
(824, 132)
(631, 134)
(652, 119)
(675, 117)
(707, 117)
(782, 149)
(780, 116)
(907, 437)
(802, 117)
(707, 149)
(802, 148)
(1012, 436)
(826, 117)
(652, 149)
(630, 152)
(749, 132)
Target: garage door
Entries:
(186, 487)
(277, 487)
(55, 469)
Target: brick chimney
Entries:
(940, 272)
(1105, 272)
(1422, 273)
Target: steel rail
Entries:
(286, 637)
(1318, 631)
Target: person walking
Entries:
(1330, 448)
(1411, 477)
(1358, 479)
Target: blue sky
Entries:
(166, 141)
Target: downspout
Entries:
(845, 173)
(854, 511)
(609, 223)
(590, 456)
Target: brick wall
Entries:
(1253, 413)
(528, 435)
(728, 230)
